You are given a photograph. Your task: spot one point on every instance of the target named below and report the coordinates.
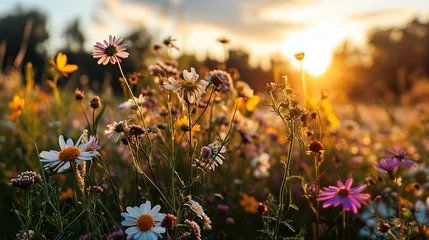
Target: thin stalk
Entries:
(284, 181)
(190, 142)
(137, 105)
(344, 223)
(86, 117)
(304, 88)
(210, 124)
(93, 122)
(28, 212)
(316, 169)
(401, 225)
(137, 187)
(173, 161)
(105, 169)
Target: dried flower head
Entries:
(95, 102)
(223, 40)
(315, 146)
(157, 47)
(300, 56)
(168, 42)
(244, 90)
(168, 221)
(78, 94)
(25, 180)
(262, 208)
(227, 84)
(135, 131)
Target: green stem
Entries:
(190, 142)
(344, 223)
(304, 88)
(284, 181)
(86, 117)
(28, 211)
(106, 170)
(316, 169)
(138, 107)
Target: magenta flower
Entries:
(350, 198)
(109, 51)
(400, 156)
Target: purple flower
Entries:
(388, 164)
(116, 235)
(350, 198)
(109, 51)
(400, 156)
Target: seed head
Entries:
(78, 94)
(300, 56)
(315, 146)
(95, 102)
(262, 208)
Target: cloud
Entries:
(241, 17)
(380, 14)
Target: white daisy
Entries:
(144, 222)
(69, 153)
(261, 165)
(131, 103)
(190, 90)
(196, 207)
(116, 129)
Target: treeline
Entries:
(395, 64)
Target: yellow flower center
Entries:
(196, 209)
(145, 222)
(343, 192)
(69, 154)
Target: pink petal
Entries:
(349, 183)
(122, 54)
(101, 60)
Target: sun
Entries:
(317, 43)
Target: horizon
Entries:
(283, 27)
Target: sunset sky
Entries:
(263, 27)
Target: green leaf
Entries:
(294, 207)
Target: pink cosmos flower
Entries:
(350, 198)
(107, 51)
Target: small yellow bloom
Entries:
(62, 66)
(183, 124)
(249, 103)
(68, 193)
(249, 203)
(16, 106)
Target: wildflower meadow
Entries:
(169, 147)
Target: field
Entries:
(187, 149)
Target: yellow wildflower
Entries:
(68, 193)
(16, 106)
(249, 103)
(183, 123)
(61, 65)
(249, 203)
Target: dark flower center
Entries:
(343, 192)
(111, 51)
(119, 128)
